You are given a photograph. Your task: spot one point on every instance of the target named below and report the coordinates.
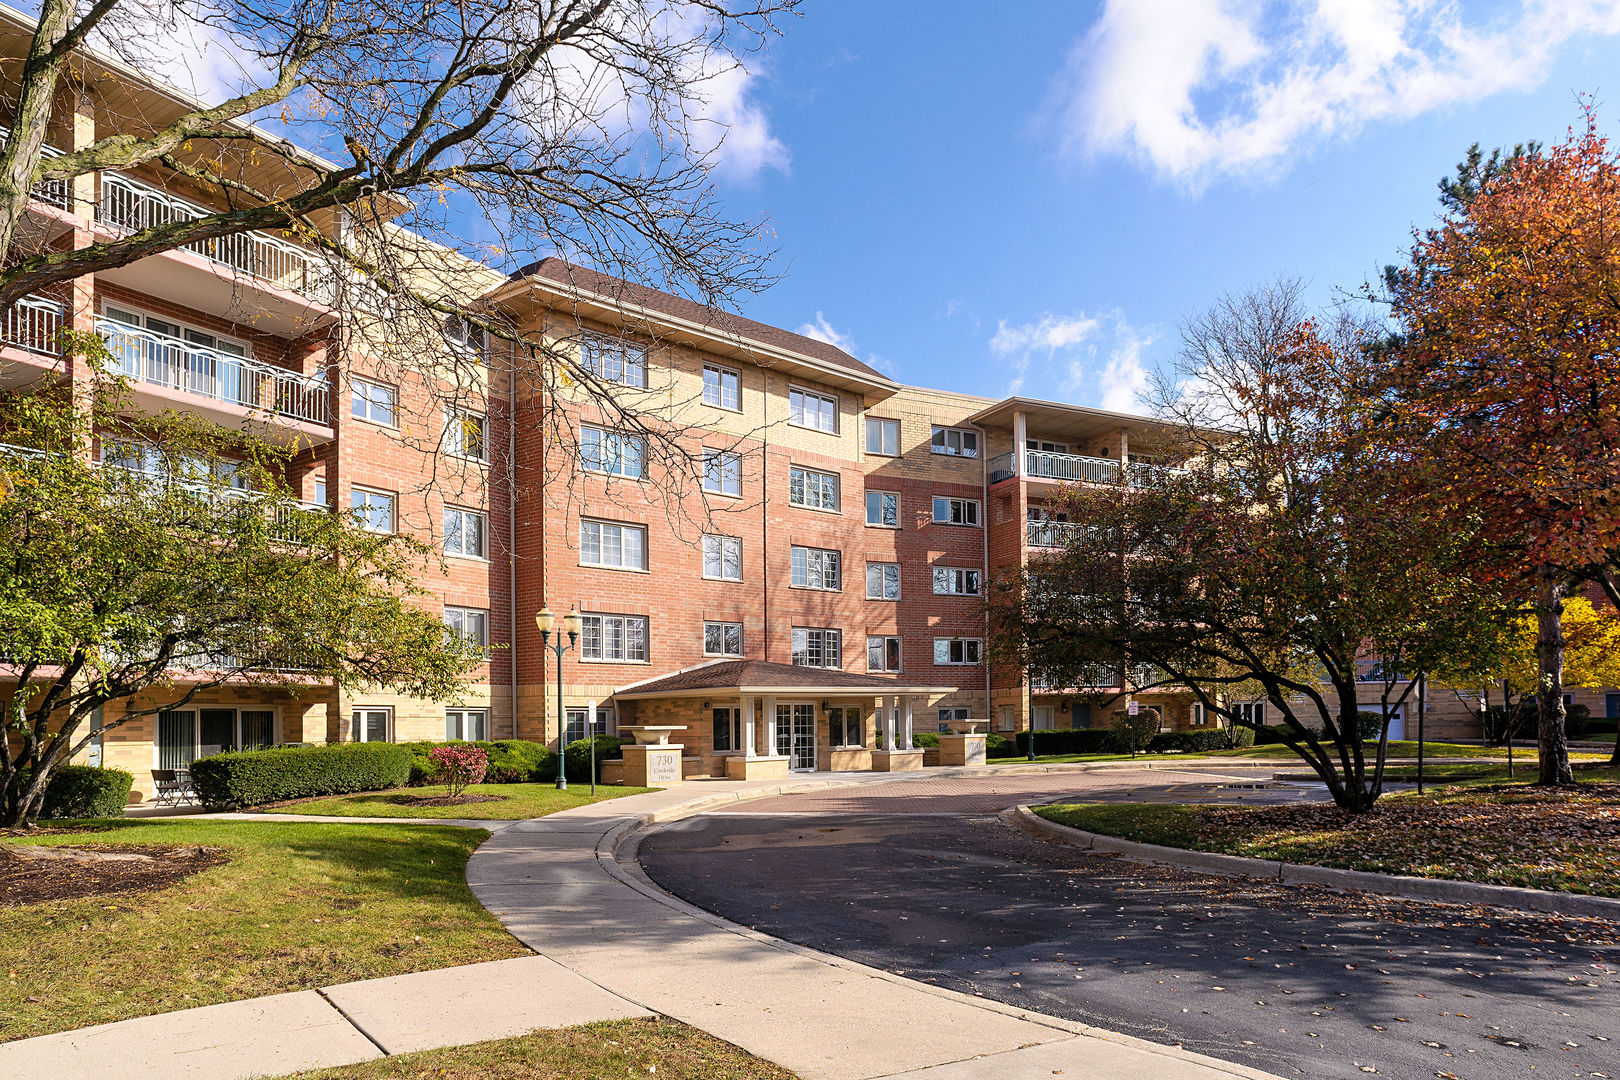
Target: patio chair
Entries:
(172, 787)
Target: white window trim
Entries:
(484, 712)
(722, 455)
(361, 731)
(707, 367)
(978, 512)
(870, 524)
(196, 712)
(946, 451)
(645, 556)
(953, 571)
(610, 474)
(704, 556)
(824, 552)
(393, 508)
(899, 583)
(451, 416)
(483, 641)
(837, 410)
(900, 642)
(391, 425)
(742, 641)
(823, 630)
(837, 488)
(621, 342)
(958, 663)
(483, 533)
(866, 443)
(646, 638)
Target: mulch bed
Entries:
(443, 800)
(38, 882)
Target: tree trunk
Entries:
(1553, 746)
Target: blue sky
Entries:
(991, 199)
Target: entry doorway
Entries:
(796, 734)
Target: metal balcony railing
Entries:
(180, 365)
(58, 191)
(33, 323)
(1051, 534)
(131, 205)
(1049, 465)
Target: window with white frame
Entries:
(1200, 716)
(949, 651)
(722, 639)
(465, 533)
(883, 509)
(955, 511)
(815, 568)
(465, 335)
(949, 713)
(613, 360)
(611, 452)
(1253, 712)
(813, 488)
(722, 387)
(471, 725)
(846, 725)
(955, 581)
(574, 723)
(371, 725)
(466, 434)
(722, 557)
(722, 472)
(1007, 718)
(882, 436)
(957, 442)
(806, 408)
(612, 545)
(817, 647)
(471, 624)
(373, 509)
(620, 638)
(372, 401)
(883, 653)
(882, 581)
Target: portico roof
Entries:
(761, 677)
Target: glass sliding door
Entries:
(177, 739)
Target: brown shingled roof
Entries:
(586, 280)
(758, 676)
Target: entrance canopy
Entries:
(750, 677)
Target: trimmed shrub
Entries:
(254, 777)
(577, 756)
(925, 740)
(1577, 721)
(999, 746)
(1238, 736)
(1189, 742)
(1133, 733)
(460, 766)
(85, 791)
(1073, 741)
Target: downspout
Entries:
(765, 525)
(984, 603)
(511, 534)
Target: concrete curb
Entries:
(1441, 890)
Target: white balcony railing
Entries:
(1052, 534)
(58, 191)
(131, 205)
(1054, 466)
(180, 365)
(34, 324)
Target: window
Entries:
(1253, 712)
(611, 452)
(374, 509)
(958, 442)
(957, 650)
(845, 725)
(953, 712)
(722, 558)
(815, 568)
(1007, 719)
(813, 647)
(727, 721)
(609, 544)
(465, 533)
(471, 623)
(1045, 447)
(465, 335)
(882, 437)
(817, 490)
(953, 581)
(466, 434)
(1200, 716)
(574, 723)
(613, 360)
(806, 408)
(722, 387)
(883, 509)
(321, 498)
(613, 637)
(1611, 706)
(371, 725)
(882, 581)
(372, 401)
(722, 472)
(722, 639)
(955, 511)
(471, 725)
(882, 654)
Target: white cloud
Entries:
(822, 330)
(743, 144)
(1093, 359)
(1196, 88)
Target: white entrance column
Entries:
(905, 712)
(770, 726)
(886, 725)
(748, 725)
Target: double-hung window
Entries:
(722, 558)
(373, 509)
(958, 650)
(882, 581)
(817, 647)
(722, 639)
(466, 435)
(372, 401)
(722, 472)
(955, 581)
(613, 360)
(815, 568)
(611, 452)
(957, 442)
(465, 533)
(883, 509)
(722, 387)
(574, 723)
(469, 724)
(949, 713)
(470, 624)
(806, 408)
(882, 437)
(955, 511)
(620, 638)
(883, 654)
(612, 545)
(812, 488)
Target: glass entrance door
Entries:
(796, 734)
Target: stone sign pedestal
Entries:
(897, 760)
(756, 768)
(961, 749)
(657, 765)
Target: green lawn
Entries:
(521, 801)
(1505, 834)
(298, 906)
(653, 1049)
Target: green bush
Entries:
(577, 756)
(1073, 741)
(1133, 733)
(1577, 721)
(1239, 737)
(254, 777)
(999, 746)
(511, 761)
(925, 740)
(85, 791)
(1190, 742)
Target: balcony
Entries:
(32, 324)
(1051, 534)
(150, 359)
(1050, 465)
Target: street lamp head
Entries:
(544, 620)
(570, 623)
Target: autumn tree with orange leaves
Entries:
(1507, 383)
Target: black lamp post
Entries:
(550, 624)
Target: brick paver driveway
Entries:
(921, 877)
